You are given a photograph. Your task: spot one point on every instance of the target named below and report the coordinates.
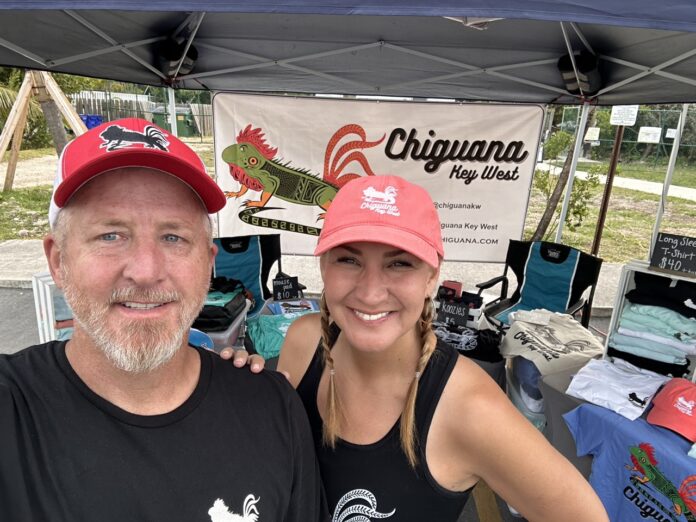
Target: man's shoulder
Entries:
(29, 359)
(24, 372)
(248, 383)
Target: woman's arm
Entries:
(476, 421)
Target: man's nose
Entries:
(146, 262)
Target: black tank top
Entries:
(376, 480)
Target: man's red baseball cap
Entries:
(130, 142)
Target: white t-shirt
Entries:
(619, 386)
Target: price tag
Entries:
(286, 288)
(674, 253)
(453, 313)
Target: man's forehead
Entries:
(134, 183)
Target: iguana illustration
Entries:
(253, 163)
(645, 464)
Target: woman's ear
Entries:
(431, 284)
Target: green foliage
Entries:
(579, 204)
(606, 135)
(583, 190)
(71, 84)
(557, 143)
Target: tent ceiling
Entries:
(418, 56)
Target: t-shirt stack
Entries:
(657, 326)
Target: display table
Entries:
(640, 471)
(557, 403)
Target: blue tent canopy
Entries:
(645, 52)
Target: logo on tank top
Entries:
(380, 202)
(221, 513)
(361, 504)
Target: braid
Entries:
(408, 417)
(330, 425)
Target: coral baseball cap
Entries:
(384, 209)
(130, 142)
(674, 407)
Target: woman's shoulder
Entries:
(298, 348)
(473, 393)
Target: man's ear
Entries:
(53, 257)
(213, 253)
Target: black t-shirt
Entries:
(239, 445)
(376, 479)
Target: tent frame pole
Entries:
(579, 135)
(662, 206)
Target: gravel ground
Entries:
(33, 172)
(42, 171)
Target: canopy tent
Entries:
(499, 50)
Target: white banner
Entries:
(281, 160)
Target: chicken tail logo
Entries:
(221, 513)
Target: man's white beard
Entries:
(138, 346)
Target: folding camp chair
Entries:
(549, 275)
(249, 259)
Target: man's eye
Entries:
(111, 236)
(172, 238)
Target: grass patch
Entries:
(628, 225)
(684, 175)
(24, 213)
(31, 154)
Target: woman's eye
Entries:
(347, 260)
(401, 263)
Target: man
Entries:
(126, 421)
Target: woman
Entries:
(404, 428)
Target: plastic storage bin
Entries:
(537, 419)
(230, 336)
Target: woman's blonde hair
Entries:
(408, 415)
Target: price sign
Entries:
(674, 253)
(286, 288)
(453, 313)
